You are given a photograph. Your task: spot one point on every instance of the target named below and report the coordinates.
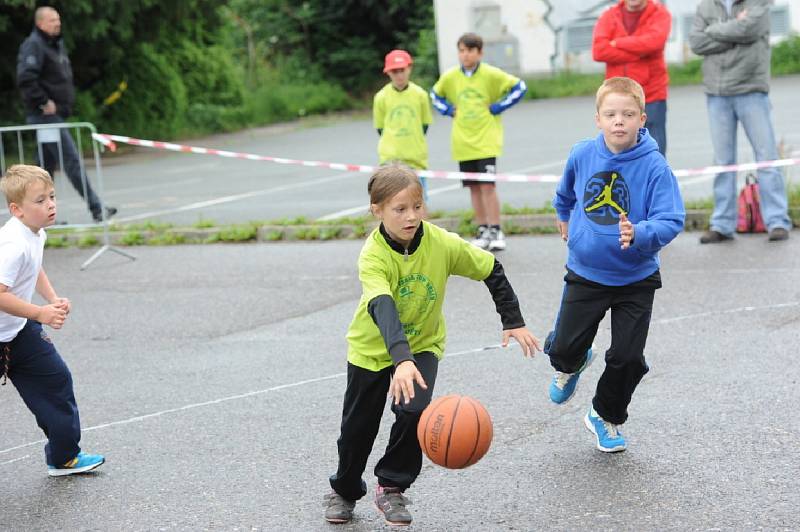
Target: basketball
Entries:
(455, 431)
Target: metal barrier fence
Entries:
(59, 134)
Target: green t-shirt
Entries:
(417, 286)
(401, 115)
(477, 133)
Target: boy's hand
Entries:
(405, 374)
(527, 341)
(64, 303)
(563, 229)
(52, 315)
(626, 231)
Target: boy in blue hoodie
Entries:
(617, 205)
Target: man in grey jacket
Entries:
(44, 78)
(733, 38)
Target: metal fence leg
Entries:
(106, 236)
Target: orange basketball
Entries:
(455, 431)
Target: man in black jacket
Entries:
(44, 77)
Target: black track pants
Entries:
(583, 305)
(364, 401)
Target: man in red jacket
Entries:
(630, 38)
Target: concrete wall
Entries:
(540, 36)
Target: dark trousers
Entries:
(583, 305)
(72, 161)
(364, 400)
(657, 123)
(45, 384)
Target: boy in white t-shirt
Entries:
(27, 355)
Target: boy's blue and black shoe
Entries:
(609, 438)
(80, 464)
(562, 387)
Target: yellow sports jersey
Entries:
(477, 134)
(401, 115)
(417, 284)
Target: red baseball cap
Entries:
(397, 59)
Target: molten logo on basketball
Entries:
(436, 432)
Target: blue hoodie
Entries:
(596, 186)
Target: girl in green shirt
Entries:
(397, 338)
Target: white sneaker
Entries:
(483, 237)
(497, 240)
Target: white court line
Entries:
(234, 197)
(16, 459)
(192, 406)
(729, 311)
(440, 190)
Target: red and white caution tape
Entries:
(108, 140)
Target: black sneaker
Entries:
(98, 216)
(392, 504)
(714, 237)
(338, 509)
(777, 234)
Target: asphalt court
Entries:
(212, 379)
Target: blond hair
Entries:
(391, 179)
(621, 85)
(18, 178)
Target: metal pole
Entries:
(19, 147)
(100, 191)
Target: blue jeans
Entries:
(657, 123)
(753, 110)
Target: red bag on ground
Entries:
(749, 219)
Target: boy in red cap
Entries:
(401, 114)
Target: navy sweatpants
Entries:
(583, 306)
(45, 384)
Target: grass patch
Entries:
(132, 238)
(56, 241)
(88, 241)
(330, 233)
(273, 236)
(307, 233)
(235, 233)
(203, 223)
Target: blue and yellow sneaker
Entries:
(80, 464)
(609, 438)
(562, 387)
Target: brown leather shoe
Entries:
(779, 233)
(714, 237)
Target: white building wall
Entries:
(540, 36)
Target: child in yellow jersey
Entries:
(475, 94)
(397, 337)
(401, 113)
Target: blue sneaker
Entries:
(609, 438)
(80, 464)
(562, 387)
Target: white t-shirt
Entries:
(21, 253)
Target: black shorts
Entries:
(482, 166)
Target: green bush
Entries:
(155, 102)
(786, 56)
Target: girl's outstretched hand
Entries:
(402, 385)
(527, 341)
